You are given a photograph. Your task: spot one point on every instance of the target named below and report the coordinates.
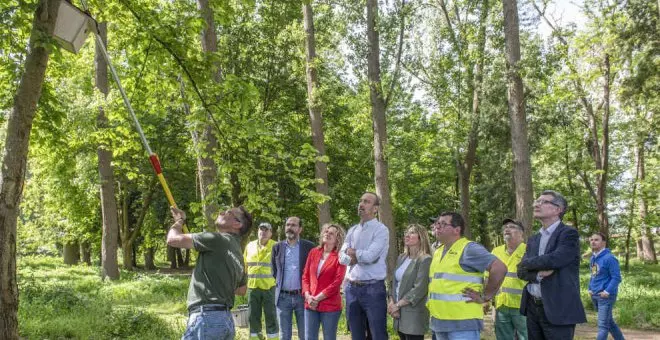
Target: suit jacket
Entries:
(414, 287)
(561, 290)
(277, 262)
(328, 280)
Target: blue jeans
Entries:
(314, 319)
(217, 325)
(367, 303)
(287, 304)
(606, 322)
(458, 335)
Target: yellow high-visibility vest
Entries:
(446, 283)
(257, 260)
(510, 293)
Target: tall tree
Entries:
(206, 140)
(380, 130)
(522, 169)
(315, 115)
(647, 242)
(109, 266)
(465, 163)
(14, 158)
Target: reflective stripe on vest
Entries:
(510, 293)
(257, 259)
(458, 277)
(447, 282)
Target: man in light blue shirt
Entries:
(365, 251)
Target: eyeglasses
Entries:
(441, 225)
(542, 202)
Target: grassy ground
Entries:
(58, 301)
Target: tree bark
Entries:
(86, 250)
(465, 166)
(14, 159)
(380, 132)
(522, 171)
(603, 159)
(71, 253)
(316, 117)
(207, 140)
(128, 236)
(647, 242)
(109, 266)
(149, 255)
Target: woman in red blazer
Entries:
(321, 281)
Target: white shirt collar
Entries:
(551, 228)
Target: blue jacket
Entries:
(277, 262)
(605, 273)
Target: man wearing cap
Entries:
(288, 262)
(218, 275)
(261, 283)
(508, 320)
(551, 299)
(456, 292)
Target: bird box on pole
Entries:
(72, 26)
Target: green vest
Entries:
(259, 270)
(510, 292)
(447, 280)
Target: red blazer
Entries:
(328, 281)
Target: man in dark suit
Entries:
(551, 298)
(288, 262)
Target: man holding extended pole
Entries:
(218, 275)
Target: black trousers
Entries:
(403, 336)
(539, 328)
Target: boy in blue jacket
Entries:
(604, 285)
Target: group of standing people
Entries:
(445, 287)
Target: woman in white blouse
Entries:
(409, 287)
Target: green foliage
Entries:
(638, 301)
(71, 302)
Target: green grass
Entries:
(59, 301)
(638, 301)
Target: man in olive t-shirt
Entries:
(218, 275)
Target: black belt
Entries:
(292, 292)
(359, 283)
(537, 301)
(208, 308)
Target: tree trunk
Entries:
(380, 132)
(109, 266)
(631, 217)
(522, 171)
(601, 182)
(129, 236)
(465, 167)
(316, 117)
(149, 254)
(206, 167)
(14, 159)
(71, 252)
(647, 242)
(86, 250)
(171, 256)
(179, 258)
